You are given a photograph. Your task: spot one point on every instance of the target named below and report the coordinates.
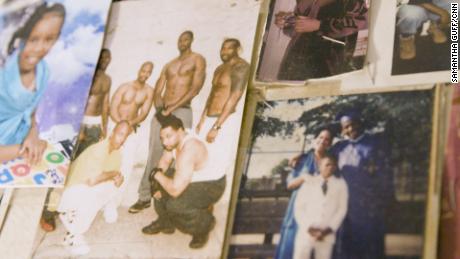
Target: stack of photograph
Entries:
(242, 129)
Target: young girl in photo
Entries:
(23, 80)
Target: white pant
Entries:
(92, 120)
(129, 159)
(80, 204)
(224, 146)
(304, 245)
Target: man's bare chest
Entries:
(99, 87)
(222, 79)
(181, 68)
(134, 96)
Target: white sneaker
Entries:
(68, 239)
(77, 245)
(67, 218)
(110, 214)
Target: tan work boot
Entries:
(437, 34)
(407, 47)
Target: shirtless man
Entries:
(228, 85)
(93, 129)
(217, 124)
(186, 198)
(180, 81)
(94, 124)
(132, 101)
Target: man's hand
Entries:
(33, 148)
(90, 182)
(293, 162)
(118, 180)
(212, 134)
(199, 126)
(165, 112)
(157, 195)
(323, 233)
(281, 19)
(314, 232)
(306, 24)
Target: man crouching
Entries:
(184, 200)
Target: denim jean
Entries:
(411, 17)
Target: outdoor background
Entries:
(283, 129)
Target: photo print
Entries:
(338, 177)
(450, 206)
(46, 71)
(422, 36)
(171, 97)
(308, 39)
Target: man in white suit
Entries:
(319, 210)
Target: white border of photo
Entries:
(380, 53)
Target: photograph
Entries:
(45, 76)
(422, 36)
(449, 238)
(339, 177)
(161, 130)
(309, 39)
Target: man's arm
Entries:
(106, 108)
(202, 118)
(158, 91)
(116, 101)
(208, 101)
(165, 160)
(103, 177)
(353, 19)
(203, 114)
(145, 109)
(183, 175)
(444, 14)
(239, 78)
(197, 83)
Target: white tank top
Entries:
(211, 169)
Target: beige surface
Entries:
(19, 229)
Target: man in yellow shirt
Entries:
(91, 186)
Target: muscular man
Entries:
(186, 198)
(93, 128)
(228, 85)
(94, 124)
(180, 81)
(132, 101)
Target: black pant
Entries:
(190, 212)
